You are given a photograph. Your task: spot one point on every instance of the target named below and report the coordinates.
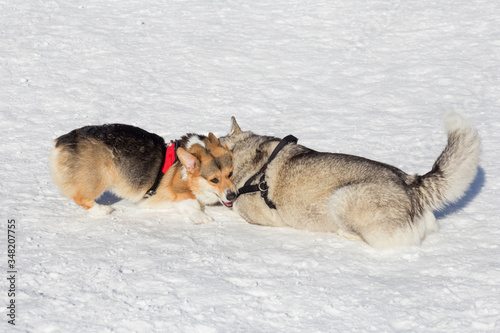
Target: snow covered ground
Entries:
(370, 78)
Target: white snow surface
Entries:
(370, 78)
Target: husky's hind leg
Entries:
(349, 235)
(376, 214)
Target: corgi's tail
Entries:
(455, 168)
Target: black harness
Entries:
(262, 185)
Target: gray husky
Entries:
(285, 184)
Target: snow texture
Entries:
(371, 78)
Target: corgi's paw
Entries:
(198, 217)
(100, 210)
(192, 209)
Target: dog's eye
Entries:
(214, 180)
(230, 175)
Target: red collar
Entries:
(170, 159)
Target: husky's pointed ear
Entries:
(191, 163)
(235, 128)
(213, 139)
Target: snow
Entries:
(371, 78)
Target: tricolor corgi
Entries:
(138, 166)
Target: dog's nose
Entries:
(231, 196)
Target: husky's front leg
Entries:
(192, 208)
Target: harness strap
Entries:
(170, 157)
(262, 185)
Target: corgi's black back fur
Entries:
(136, 152)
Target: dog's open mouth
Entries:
(227, 204)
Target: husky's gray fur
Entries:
(353, 196)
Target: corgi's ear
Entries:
(235, 128)
(191, 163)
(213, 139)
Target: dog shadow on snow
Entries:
(108, 198)
(473, 191)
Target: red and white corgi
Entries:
(138, 166)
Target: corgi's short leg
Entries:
(91, 206)
(84, 201)
(192, 208)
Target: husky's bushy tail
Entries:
(455, 168)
